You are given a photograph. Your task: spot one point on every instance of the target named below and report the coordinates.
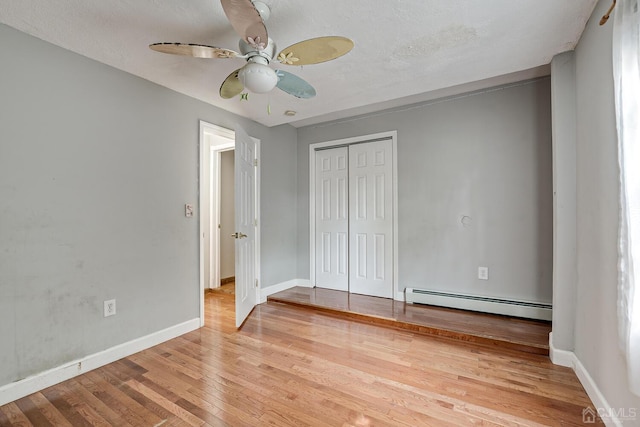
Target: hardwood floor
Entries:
(290, 366)
(501, 331)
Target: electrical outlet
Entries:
(188, 210)
(109, 308)
(483, 273)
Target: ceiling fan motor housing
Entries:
(268, 52)
(263, 10)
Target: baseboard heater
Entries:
(529, 310)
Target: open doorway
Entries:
(214, 142)
(224, 209)
(222, 224)
(216, 208)
(219, 208)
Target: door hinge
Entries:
(255, 162)
(256, 283)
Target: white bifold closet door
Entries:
(354, 220)
(332, 219)
(371, 219)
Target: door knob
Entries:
(238, 235)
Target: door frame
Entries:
(393, 135)
(206, 198)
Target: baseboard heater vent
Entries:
(529, 310)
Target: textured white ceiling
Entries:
(405, 50)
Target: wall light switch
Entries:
(109, 308)
(188, 210)
(483, 273)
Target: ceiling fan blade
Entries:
(294, 85)
(246, 21)
(231, 86)
(194, 50)
(315, 51)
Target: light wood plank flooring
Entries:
(290, 366)
(489, 329)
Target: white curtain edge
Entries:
(626, 73)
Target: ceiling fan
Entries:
(247, 19)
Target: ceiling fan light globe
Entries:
(258, 78)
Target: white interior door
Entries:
(371, 219)
(246, 221)
(332, 219)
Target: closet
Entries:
(354, 217)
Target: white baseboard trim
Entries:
(283, 286)
(569, 359)
(560, 357)
(19, 389)
(602, 406)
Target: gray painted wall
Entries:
(563, 94)
(596, 343)
(95, 168)
(486, 156)
(278, 209)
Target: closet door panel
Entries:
(370, 219)
(332, 219)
